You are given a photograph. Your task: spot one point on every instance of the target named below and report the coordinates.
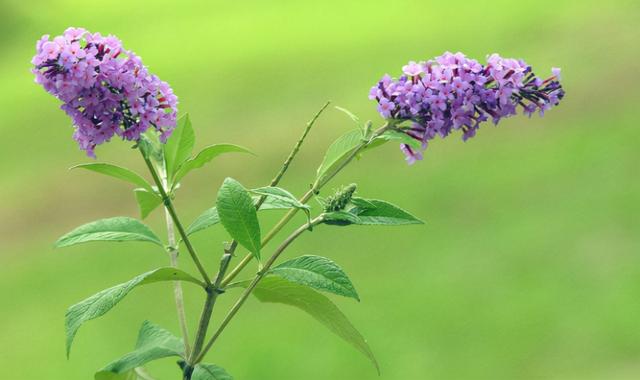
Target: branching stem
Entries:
(305, 198)
(259, 276)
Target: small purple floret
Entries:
(453, 92)
(106, 90)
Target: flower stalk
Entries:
(174, 216)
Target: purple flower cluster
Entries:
(106, 90)
(453, 92)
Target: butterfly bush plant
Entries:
(109, 93)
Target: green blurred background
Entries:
(528, 266)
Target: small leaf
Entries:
(282, 195)
(154, 343)
(116, 172)
(179, 146)
(204, 371)
(238, 215)
(340, 218)
(210, 216)
(206, 155)
(120, 228)
(277, 290)
(205, 220)
(100, 303)
(317, 272)
(339, 150)
(384, 213)
(147, 201)
(395, 135)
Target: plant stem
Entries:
(174, 216)
(177, 285)
(212, 295)
(216, 289)
(305, 198)
(259, 276)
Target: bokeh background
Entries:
(528, 266)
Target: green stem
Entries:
(305, 198)
(174, 216)
(177, 285)
(259, 276)
(212, 295)
(215, 290)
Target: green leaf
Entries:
(100, 303)
(281, 195)
(340, 218)
(147, 201)
(317, 272)
(210, 216)
(205, 220)
(120, 228)
(384, 213)
(179, 146)
(206, 155)
(277, 290)
(361, 203)
(238, 215)
(204, 371)
(116, 172)
(153, 343)
(395, 135)
(338, 151)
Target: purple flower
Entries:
(412, 69)
(105, 89)
(453, 92)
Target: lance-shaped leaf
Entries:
(147, 201)
(395, 135)
(210, 216)
(153, 343)
(340, 218)
(120, 228)
(116, 172)
(206, 155)
(371, 212)
(282, 195)
(317, 272)
(100, 303)
(179, 146)
(238, 215)
(273, 289)
(204, 371)
(383, 213)
(339, 151)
